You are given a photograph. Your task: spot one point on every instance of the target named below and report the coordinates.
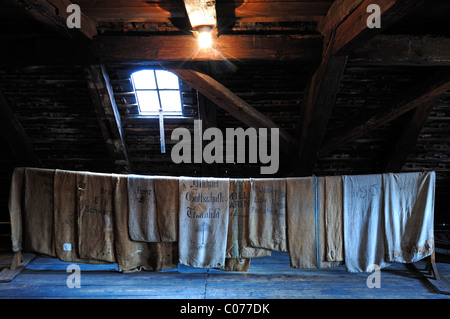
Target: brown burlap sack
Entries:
(203, 221)
(15, 206)
(167, 207)
(267, 219)
(153, 208)
(95, 217)
(38, 221)
(306, 223)
(66, 217)
(65, 214)
(334, 219)
(238, 227)
(131, 255)
(142, 218)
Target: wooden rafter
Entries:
(413, 122)
(53, 14)
(108, 116)
(14, 134)
(238, 108)
(413, 98)
(343, 28)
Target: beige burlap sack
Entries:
(267, 218)
(153, 208)
(15, 206)
(167, 207)
(142, 216)
(131, 255)
(306, 223)
(203, 221)
(95, 216)
(38, 221)
(334, 218)
(238, 227)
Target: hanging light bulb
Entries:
(204, 37)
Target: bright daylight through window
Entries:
(157, 91)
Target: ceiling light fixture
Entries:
(204, 37)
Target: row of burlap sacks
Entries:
(152, 222)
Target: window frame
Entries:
(161, 111)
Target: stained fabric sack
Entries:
(95, 216)
(167, 207)
(142, 219)
(38, 221)
(306, 223)
(203, 221)
(334, 218)
(153, 208)
(409, 215)
(364, 238)
(267, 217)
(65, 214)
(239, 207)
(131, 255)
(15, 206)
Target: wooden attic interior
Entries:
(348, 99)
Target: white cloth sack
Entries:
(364, 238)
(409, 215)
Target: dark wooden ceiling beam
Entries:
(254, 11)
(108, 116)
(53, 14)
(409, 132)
(417, 96)
(403, 50)
(15, 136)
(184, 48)
(238, 108)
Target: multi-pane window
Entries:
(157, 91)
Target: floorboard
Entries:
(268, 278)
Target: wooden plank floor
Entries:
(268, 277)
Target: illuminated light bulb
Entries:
(204, 39)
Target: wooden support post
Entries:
(17, 260)
(108, 116)
(19, 263)
(432, 275)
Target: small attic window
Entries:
(157, 91)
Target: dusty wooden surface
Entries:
(267, 278)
